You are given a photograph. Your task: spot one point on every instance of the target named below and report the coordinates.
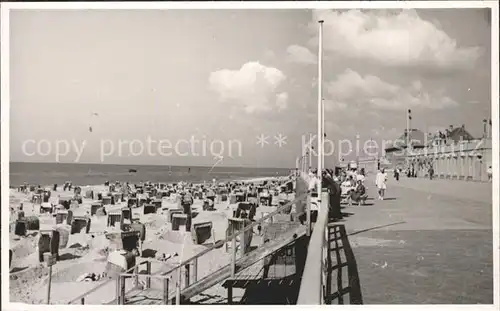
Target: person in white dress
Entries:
(380, 182)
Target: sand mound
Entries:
(177, 237)
(23, 248)
(154, 223)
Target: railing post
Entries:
(178, 287)
(242, 241)
(122, 290)
(233, 256)
(165, 290)
(136, 276)
(195, 270)
(118, 291)
(148, 272)
(187, 279)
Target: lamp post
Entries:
(320, 109)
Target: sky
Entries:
(85, 84)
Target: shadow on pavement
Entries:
(377, 227)
(336, 292)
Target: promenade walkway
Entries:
(430, 242)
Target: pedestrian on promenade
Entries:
(396, 174)
(489, 171)
(334, 209)
(431, 172)
(380, 182)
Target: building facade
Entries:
(466, 160)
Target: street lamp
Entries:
(320, 109)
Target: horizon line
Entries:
(199, 166)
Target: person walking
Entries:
(431, 172)
(396, 174)
(380, 182)
(489, 171)
(187, 201)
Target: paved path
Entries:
(429, 243)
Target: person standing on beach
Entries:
(186, 202)
(380, 182)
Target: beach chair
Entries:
(78, 223)
(149, 209)
(106, 200)
(201, 232)
(94, 207)
(178, 219)
(171, 212)
(114, 217)
(61, 216)
(46, 207)
(235, 225)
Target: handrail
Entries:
(227, 239)
(311, 291)
(105, 283)
(165, 275)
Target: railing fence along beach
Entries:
(176, 288)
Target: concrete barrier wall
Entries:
(314, 277)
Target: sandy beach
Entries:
(88, 252)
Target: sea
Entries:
(46, 174)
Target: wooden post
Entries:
(178, 287)
(195, 270)
(148, 272)
(242, 239)
(122, 290)
(50, 283)
(118, 286)
(165, 290)
(230, 294)
(187, 279)
(233, 256)
(136, 276)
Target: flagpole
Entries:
(320, 108)
(324, 133)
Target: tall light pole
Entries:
(408, 135)
(324, 133)
(320, 109)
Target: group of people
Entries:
(352, 180)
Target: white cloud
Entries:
(352, 88)
(331, 105)
(300, 54)
(393, 39)
(282, 101)
(253, 86)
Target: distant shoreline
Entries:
(96, 174)
(152, 165)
